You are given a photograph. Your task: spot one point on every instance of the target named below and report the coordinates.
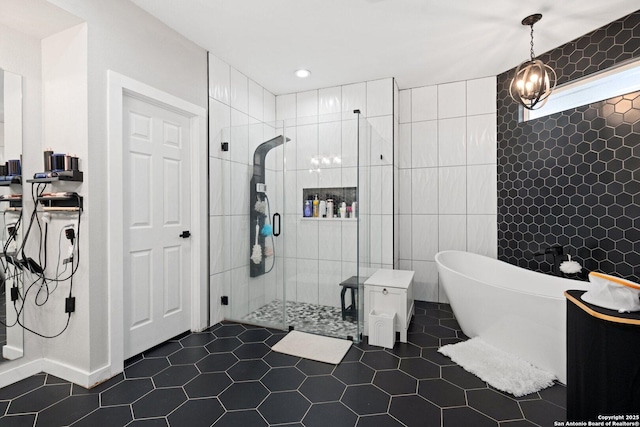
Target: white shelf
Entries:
(310, 218)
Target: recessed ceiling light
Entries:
(302, 73)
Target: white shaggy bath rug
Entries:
(314, 347)
(501, 370)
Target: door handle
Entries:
(274, 224)
(185, 234)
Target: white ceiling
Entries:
(35, 18)
(419, 42)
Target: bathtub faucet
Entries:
(557, 251)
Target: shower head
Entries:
(260, 155)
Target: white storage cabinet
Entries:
(390, 291)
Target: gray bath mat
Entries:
(314, 347)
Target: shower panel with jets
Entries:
(261, 222)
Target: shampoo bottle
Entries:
(316, 206)
(329, 208)
(307, 212)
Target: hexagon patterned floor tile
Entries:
(228, 376)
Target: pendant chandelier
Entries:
(534, 80)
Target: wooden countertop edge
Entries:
(594, 313)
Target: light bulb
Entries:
(302, 73)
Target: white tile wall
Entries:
(405, 241)
(269, 105)
(220, 284)
(221, 244)
(257, 137)
(219, 80)
(452, 190)
(380, 98)
(308, 239)
(404, 187)
(290, 278)
(286, 107)
(425, 280)
(383, 128)
(424, 144)
(354, 97)
(349, 143)
(482, 235)
(349, 241)
(256, 101)
(424, 191)
(424, 243)
(481, 96)
(216, 189)
(239, 92)
(330, 142)
(452, 232)
(307, 281)
(450, 183)
(307, 104)
(220, 120)
(329, 277)
(424, 104)
(240, 243)
(481, 139)
(330, 100)
(330, 178)
(404, 144)
(481, 189)
(452, 100)
(387, 239)
(239, 292)
(240, 176)
(330, 244)
(404, 112)
(237, 110)
(452, 142)
(239, 137)
(306, 145)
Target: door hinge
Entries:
(185, 234)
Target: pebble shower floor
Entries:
(228, 376)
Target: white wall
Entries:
(242, 113)
(123, 38)
(2, 156)
(320, 254)
(447, 176)
(64, 128)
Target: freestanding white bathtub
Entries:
(516, 310)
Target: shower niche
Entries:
(330, 203)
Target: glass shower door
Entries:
(246, 175)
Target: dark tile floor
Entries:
(228, 376)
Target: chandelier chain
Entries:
(532, 54)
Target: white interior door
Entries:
(156, 212)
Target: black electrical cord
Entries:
(19, 312)
(74, 258)
(14, 277)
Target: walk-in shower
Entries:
(275, 266)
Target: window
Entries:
(612, 82)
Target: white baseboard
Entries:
(20, 372)
(11, 353)
(75, 375)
